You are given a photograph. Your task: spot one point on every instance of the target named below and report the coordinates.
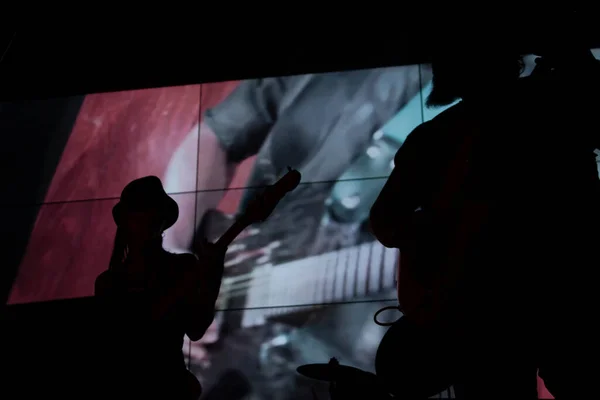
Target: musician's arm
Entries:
(201, 302)
(199, 316)
(391, 214)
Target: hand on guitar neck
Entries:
(206, 278)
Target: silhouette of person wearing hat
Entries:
(152, 298)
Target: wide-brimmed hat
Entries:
(146, 193)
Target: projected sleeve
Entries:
(243, 120)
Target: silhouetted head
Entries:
(477, 57)
(143, 213)
(464, 68)
(565, 36)
(145, 210)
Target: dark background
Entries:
(47, 64)
(45, 346)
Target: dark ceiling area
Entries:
(53, 65)
(46, 64)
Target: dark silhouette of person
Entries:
(152, 298)
(519, 153)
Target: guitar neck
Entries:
(262, 206)
(347, 274)
(229, 236)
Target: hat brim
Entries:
(168, 208)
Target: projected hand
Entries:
(248, 249)
(249, 246)
(285, 235)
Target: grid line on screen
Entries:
(421, 99)
(185, 192)
(188, 351)
(197, 172)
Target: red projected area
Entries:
(117, 137)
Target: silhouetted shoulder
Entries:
(441, 123)
(451, 114)
(428, 134)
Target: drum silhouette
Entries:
(415, 362)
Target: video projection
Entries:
(299, 288)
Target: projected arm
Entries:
(214, 171)
(230, 132)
